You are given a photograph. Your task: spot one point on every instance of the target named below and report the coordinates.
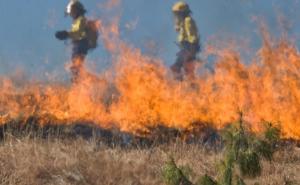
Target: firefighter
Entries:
(78, 36)
(188, 41)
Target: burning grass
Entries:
(138, 93)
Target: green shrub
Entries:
(249, 164)
(242, 149)
(172, 175)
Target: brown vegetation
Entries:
(77, 161)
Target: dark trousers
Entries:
(186, 60)
(79, 52)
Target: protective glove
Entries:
(62, 35)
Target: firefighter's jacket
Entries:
(78, 29)
(188, 31)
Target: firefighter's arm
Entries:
(61, 35)
(77, 30)
(191, 30)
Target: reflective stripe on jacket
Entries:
(188, 31)
(78, 30)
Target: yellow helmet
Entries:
(181, 7)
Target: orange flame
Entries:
(139, 92)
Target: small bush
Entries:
(243, 149)
(249, 164)
(172, 175)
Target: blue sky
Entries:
(27, 28)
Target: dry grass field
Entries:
(26, 161)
